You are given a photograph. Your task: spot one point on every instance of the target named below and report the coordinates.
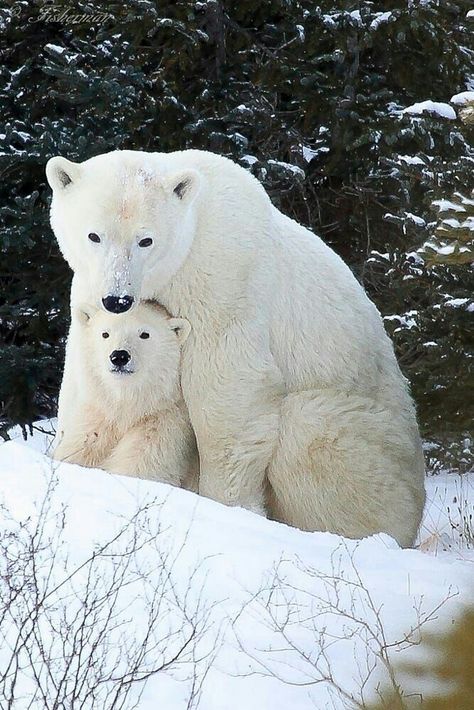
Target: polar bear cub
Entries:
(121, 422)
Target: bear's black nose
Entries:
(117, 304)
(119, 358)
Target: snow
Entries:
(446, 250)
(380, 18)
(457, 302)
(375, 255)
(249, 159)
(355, 14)
(310, 153)
(465, 97)
(241, 574)
(407, 321)
(448, 206)
(456, 224)
(23, 135)
(414, 258)
(432, 107)
(465, 200)
(329, 22)
(415, 218)
(411, 159)
(239, 138)
(55, 48)
(288, 167)
(67, 56)
(451, 222)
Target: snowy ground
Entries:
(237, 611)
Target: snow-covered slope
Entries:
(241, 612)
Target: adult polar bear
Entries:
(288, 374)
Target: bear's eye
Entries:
(146, 242)
(105, 334)
(94, 237)
(144, 335)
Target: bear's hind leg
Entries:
(346, 466)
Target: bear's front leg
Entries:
(68, 392)
(72, 384)
(233, 391)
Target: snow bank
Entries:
(273, 604)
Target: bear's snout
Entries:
(119, 358)
(117, 304)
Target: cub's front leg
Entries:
(161, 447)
(233, 391)
(87, 438)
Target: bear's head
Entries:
(123, 226)
(132, 360)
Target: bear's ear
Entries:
(83, 313)
(181, 327)
(61, 172)
(184, 185)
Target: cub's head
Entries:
(124, 225)
(133, 358)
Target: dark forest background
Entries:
(307, 95)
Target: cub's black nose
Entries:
(117, 304)
(119, 358)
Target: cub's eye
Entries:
(146, 242)
(105, 334)
(94, 237)
(144, 335)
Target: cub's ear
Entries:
(61, 172)
(184, 185)
(181, 327)
(83, 313)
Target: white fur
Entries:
(277, 318)
(117, 421)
